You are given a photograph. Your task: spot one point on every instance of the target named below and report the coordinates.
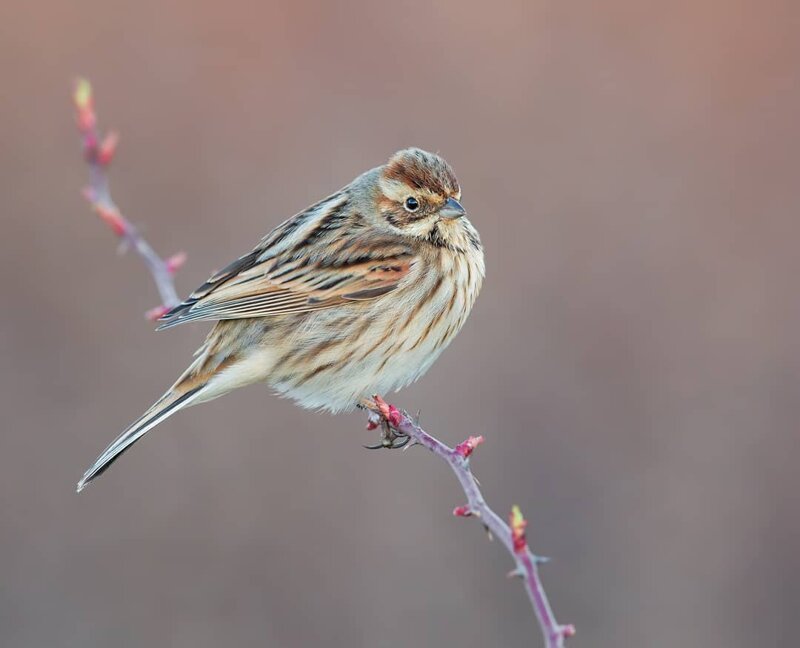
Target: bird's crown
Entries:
(418, 169)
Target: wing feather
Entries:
(318, 259)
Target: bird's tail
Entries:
(162, 409)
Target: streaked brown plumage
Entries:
(356, 295)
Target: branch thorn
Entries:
(516, 573)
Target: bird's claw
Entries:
(391, 438)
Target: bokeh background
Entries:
(634, 359)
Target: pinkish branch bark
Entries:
(512, 535)
(99, 153)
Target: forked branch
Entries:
(99, 153)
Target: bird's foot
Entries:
(390, 438)
(387, 417)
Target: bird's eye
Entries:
(412, 204)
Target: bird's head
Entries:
(418, 195)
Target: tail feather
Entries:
(162, 409)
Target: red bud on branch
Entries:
(112, 217)
(175, 262)
(156, 313)
(462, 511)
(517, 524)
(466, 448)
(389, 412)
(82, 97)
(394, 416)
(107, 148)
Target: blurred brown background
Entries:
(634, 359)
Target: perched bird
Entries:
(354, 296)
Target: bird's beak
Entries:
(452, 209)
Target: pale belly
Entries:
(375, 348)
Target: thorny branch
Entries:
(99, 153)
(511, 535)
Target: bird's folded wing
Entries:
(302, 279)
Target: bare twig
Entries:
(511, 535)
(99, 154)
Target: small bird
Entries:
(356, 295)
